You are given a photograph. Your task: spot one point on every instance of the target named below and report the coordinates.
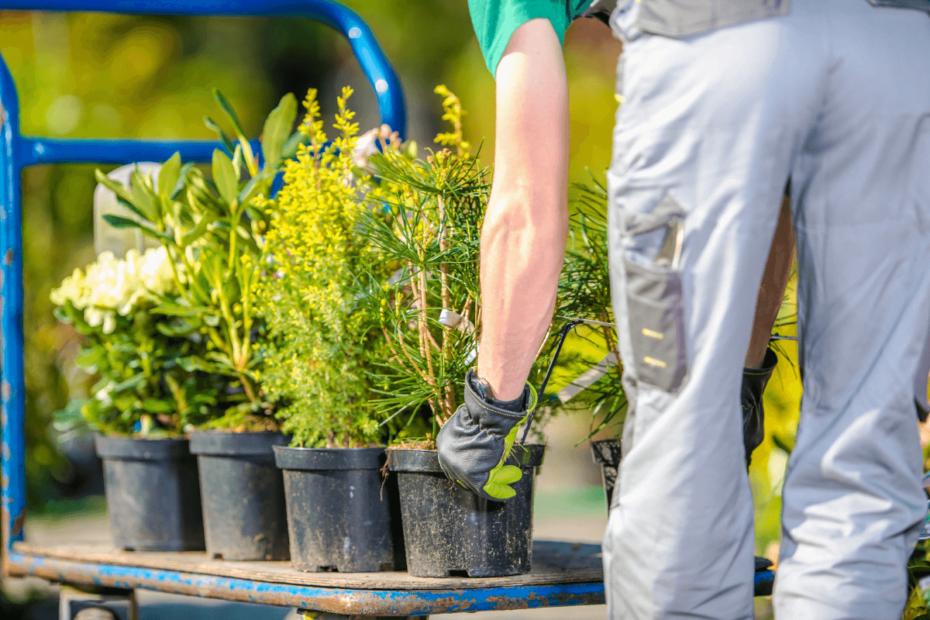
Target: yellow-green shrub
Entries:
(321, 341)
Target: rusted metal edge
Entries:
(330, 600)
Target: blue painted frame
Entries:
(338, 601)
(18, 151)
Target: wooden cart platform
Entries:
(563, 574)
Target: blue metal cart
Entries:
(563, 574)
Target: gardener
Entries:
(723, 102)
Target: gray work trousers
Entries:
(836, 97)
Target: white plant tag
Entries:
(449, 318)
(454, 320)
(120, 240)
(588, 378)
(471, 355)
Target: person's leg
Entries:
(707, 134)
(772, 290)
(760, 360)
(852, 500)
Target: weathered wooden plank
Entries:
(344, 602)
(553, 563)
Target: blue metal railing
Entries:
(18, 151)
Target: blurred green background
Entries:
(93, 75)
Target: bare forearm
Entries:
(526, 225)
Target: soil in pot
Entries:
(450, 531)
(342, 513)
(606, 453)
(153, 495)
(244, 511)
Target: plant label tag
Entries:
(588, 378)
(449, 318)
(454, 320)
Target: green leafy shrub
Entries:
(918, 568)
(425, 229)
(212, 230)
(144, 386)
(322, 343)
(591, 353)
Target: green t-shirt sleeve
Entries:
(496, 20)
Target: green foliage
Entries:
(321, 343)
(782, 401)
(584, 293)
(145, 385)
(425, 231)
(918, 568)
(212, 230)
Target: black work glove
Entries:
(754, 382)
(475, 443)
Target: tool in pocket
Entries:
(655, 303)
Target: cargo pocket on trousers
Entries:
(655, 302)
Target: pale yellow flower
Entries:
(112, 286)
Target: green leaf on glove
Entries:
(500, 479)
(502, 476)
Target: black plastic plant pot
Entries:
(244, 513)
(606, 453)
(342, 514)
(450, 531)
(153, 496)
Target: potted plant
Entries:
(145, 397)
(426, 232)
(320, 349)
(212, 229)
